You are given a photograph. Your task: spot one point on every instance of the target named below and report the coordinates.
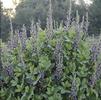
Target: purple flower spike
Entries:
(58, 62)
(96, 76)
(8, 71)
(74, 89)
(95, 51)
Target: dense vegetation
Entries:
(51, 66)
(57, 63)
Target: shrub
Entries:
(59, 68)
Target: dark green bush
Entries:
(60, 68)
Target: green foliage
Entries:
(95, 17)
(34, 81)
(4, 24)
(37, 10)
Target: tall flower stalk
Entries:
(49, 33)
(78, 35)
(96, 75)
(82, 24)
(34, 35)
(22, 37)
(11, 34)
(58, 56)
(74, 89)
(86, 25)
(68, 21)
(34, 30)
(95, 51)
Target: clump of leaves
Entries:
(30, 73)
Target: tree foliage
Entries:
(4, 24)
(38, 10)
(95, 17)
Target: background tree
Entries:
(95, 17)
(4, 24)
(38, 10)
